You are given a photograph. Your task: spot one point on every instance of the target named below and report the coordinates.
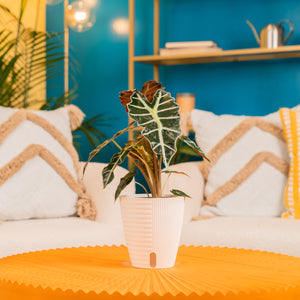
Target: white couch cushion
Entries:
(42, 234)
(258, 233)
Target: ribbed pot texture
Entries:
(152, 228)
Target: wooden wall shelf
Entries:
(222, 56)
(157, 60)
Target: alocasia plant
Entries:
(156, 122)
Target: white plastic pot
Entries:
(152, 228)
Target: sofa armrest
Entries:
(192, 185)
(108, 210)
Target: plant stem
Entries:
(148, 179)
(117, 144)
(163, 188)
(157, 176)
(143, 188)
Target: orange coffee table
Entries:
(105, 273)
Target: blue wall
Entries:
(251, 88)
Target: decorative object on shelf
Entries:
(272, 36)
(80, 16)
(186, 101)
(156, 122)
(175, 48)
(53, 2)
(190, 44)
(190, 50)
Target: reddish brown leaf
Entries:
(125, 98)
(149, 89)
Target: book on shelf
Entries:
(191, 50)
(205, 44)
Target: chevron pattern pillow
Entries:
(38, 166)
(250, 164)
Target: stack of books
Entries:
(177, 48)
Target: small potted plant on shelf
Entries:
(152, 223)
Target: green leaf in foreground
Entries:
(180, 193)
(117, 158)
(101, 146)
(124, 182)
(194, 146)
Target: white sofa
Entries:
(259, 233)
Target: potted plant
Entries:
(152, 223)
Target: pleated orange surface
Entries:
(105, 273)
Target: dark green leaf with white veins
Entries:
(160, 119)
(117, 158)
(193, 146)
(97, 150)
(124, 182)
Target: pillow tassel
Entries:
(76, 116)
(86, 207)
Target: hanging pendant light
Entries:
(79, 16)
(90, 3)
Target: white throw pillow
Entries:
(38, 165)
(249, 167)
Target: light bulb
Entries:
(90, 3)
(121, 26)
(79, 17)
(53, 2)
